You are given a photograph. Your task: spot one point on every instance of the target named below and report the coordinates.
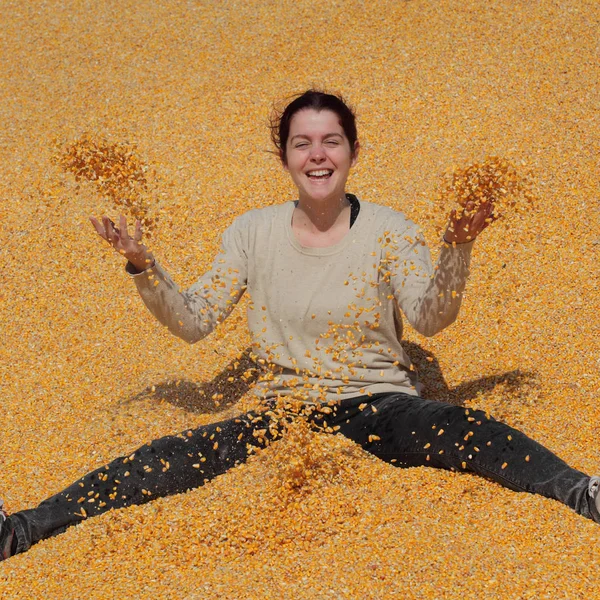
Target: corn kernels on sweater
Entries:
(325, 322)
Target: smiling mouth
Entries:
(320, 175)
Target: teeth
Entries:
(320, 173)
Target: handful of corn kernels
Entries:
(116, 171)
(494, 179)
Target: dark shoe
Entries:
(7, 534)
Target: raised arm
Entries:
(193, 313)
(430, 296)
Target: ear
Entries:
(283, 162)
(355, 153)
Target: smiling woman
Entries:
(317, 140)
(318, 159)
(330, 278)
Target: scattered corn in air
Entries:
(116, 171)
(494, 179)
(135, 108)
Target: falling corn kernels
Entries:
(186, 158)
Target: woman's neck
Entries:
(321, 217)
(323, 225)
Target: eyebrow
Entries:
(306, 137)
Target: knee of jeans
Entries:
(473, 416)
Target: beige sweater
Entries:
(325, 322)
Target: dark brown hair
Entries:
(316, 100)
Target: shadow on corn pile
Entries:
(436, 388)
(209, 397)
(239, 375)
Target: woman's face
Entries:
(319, 157)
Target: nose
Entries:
(317, 154)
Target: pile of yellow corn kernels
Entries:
(160, 110)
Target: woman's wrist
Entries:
(456, 242)
(452, 239)
(141, 265)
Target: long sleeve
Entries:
(430, 297)
(326, 320)
(194, 313)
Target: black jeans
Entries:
(401, 429)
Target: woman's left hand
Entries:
(471, 221)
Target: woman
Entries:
(328, 276)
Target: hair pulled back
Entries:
(315, 100)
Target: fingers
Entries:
(137, 235)
(117, 236)
(486, 210)
(490, 217)
(123, 228)
(483, 217)
(99, 228)
(112, 234)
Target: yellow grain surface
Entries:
(86, 375)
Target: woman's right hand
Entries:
(129, 247)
